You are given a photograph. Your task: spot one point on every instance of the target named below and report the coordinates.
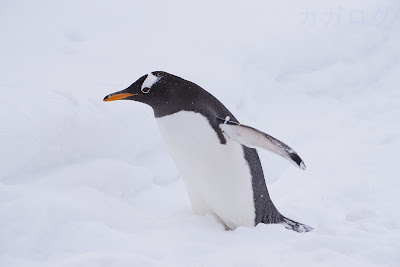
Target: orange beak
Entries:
(113, 97)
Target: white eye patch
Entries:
(149, 82)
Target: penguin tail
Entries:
(295, 226)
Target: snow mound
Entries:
(84, 183)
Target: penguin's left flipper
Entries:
(253, 138)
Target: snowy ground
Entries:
(87, 183)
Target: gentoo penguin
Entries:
(215, 154)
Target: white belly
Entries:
(217, 176)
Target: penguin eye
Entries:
(146, 90)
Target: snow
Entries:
(87, 183)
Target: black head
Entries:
(164, 92)
(168, 94)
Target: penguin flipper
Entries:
(253, 138)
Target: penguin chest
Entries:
(216, 175)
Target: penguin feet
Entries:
(296, 226)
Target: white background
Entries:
(87, 183)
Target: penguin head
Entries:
(164, 92)
(143, 90)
